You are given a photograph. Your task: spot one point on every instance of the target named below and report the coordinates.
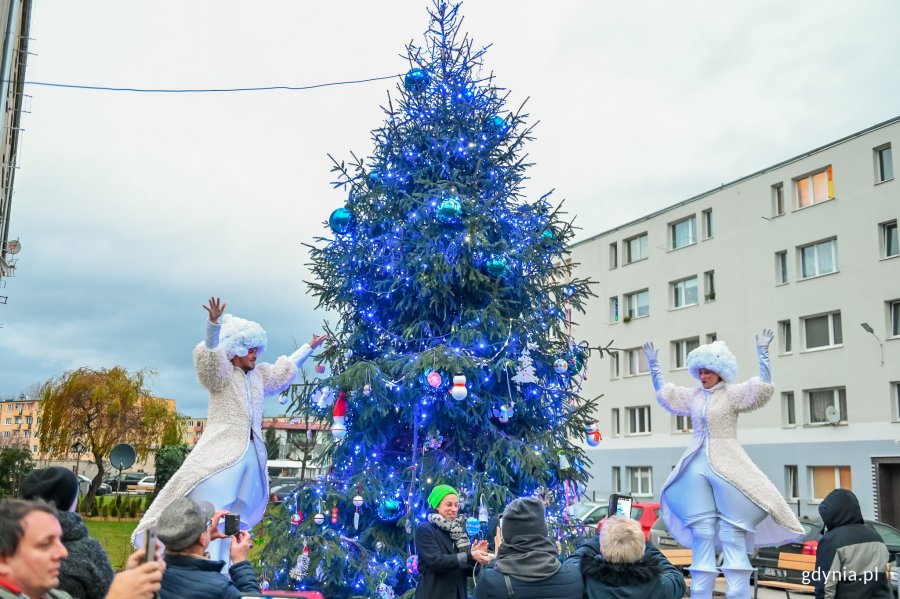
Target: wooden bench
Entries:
(792, 561)
(681, 559)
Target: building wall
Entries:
(741, 252)
(15, 428)
(192, 429)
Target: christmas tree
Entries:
(452, 360)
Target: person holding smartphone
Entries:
(716, 494)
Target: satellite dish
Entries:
(832, 415)
(122, 456)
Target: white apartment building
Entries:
(807, 247)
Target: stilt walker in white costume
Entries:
(228, 465)
(716, 497)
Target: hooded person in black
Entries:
(851, 559)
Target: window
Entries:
(707, 223)
(787, 343)
(895, 396)
(638, 420)
(9, 407)
(681, 348)
(826, 479)
(9, 421)
(635, 248)
(683, 424)
(894, 308)
(711, 337)
(640, 480)
(814, 188)
(27, 434)
(683, 232)
(818, 259)
(613, 255)
(616, 479)
(34, 449)
(778, 199)
(636, 362)
(823, 331)
(6, 434)
(781, 275)
(791, 482)
(820, 400)
(709, 284)
(614, 365)
(28, 420)
(637, 304)
(684, 292)
(616, 431)
(788, 410)
(889, 245)
(614, 309)
(884, 166)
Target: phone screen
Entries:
(150, 545)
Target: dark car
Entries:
(84, 483)
(128, 478)
(281, 487)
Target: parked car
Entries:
(588, 512)
(145, 485)
(128, 478)
(280, 489)
(84, 484)
(645, 513)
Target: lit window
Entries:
(823, 331)
(638, 420)
(826, 479)
(682, 348)
(889, 244)
(894, 309)
(814, 188)
(640, 479)
(683, 232)
(613, 255)
(637, 304)
(781, 274)
(683, 424)
(788, 409)
(709, 281)
(778, 199)
(784, 328)
(614, 309)
(616, 431)
(792, 484)
(827, 406)
(884, 166)
(685, 292)
(636, 248)
(707, 224)
(636, 362)
(617, 479)
(818, 259)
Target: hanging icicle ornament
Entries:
(525, 371)
(593, 435)
(298, 572)
(560, 366)
(383, 590)
(338, 428)
(412, 564)
(459, 390)
(357, 503)
(483, 515)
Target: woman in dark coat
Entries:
(446, 558)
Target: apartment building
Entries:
(807, 247)
(191, 430)
(19, 420)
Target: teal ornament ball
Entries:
(496, 265)
(547, 235)
(449, 211)
(374, 179)
(416, 80)
(473, 526)
(341, 221)
(496, 125)
(389, 509)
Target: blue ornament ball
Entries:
(547, 235)
(373, 180)
(449, 211)
(341, 221)
(389, 509)
(473, 526)
(496, 125)
(416, 80)
(496, 265)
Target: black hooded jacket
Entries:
(651, 577)
(851, 559)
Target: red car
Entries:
(645, 513)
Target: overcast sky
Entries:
(133, 208)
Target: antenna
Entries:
(832, 415)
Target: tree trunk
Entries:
(95, 484)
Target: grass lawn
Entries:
(115, 538)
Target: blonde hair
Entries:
(622, 540)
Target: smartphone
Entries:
(232, 524)
(620, 505)
(150, 545)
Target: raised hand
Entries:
(214, 532)
(651, 351)
(764, 338)
(215, 309)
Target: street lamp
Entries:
(870, 330)
(79, 448)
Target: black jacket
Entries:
(652, 577)
(565, 584)
(442, 568)
(86, 573)
(188, 577)
(851, 559)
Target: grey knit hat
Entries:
(524, 516)
(183, 521)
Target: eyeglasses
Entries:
(208, 523)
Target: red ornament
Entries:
(334, 515)
(319, 368)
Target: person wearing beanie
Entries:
(86, 573)
(620, 564)
(716, 494)
(527, 560)
(446, 557)
(228, 464)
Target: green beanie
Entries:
(438, 493)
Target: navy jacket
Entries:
(651, 577)
(188, 577)
(442, 567)
(851, 559)
(565, 584)
(86, 573)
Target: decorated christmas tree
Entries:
(452, 360)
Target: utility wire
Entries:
(207, 91)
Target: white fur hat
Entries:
(713, 356)
(237, 336)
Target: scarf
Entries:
(456, 528)
(528, 558)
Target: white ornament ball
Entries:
(459, 391)
(319, 518)
(560, 366)
(338, 430)
(367, 389)
(358, 500)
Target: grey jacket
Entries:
(86, 573)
